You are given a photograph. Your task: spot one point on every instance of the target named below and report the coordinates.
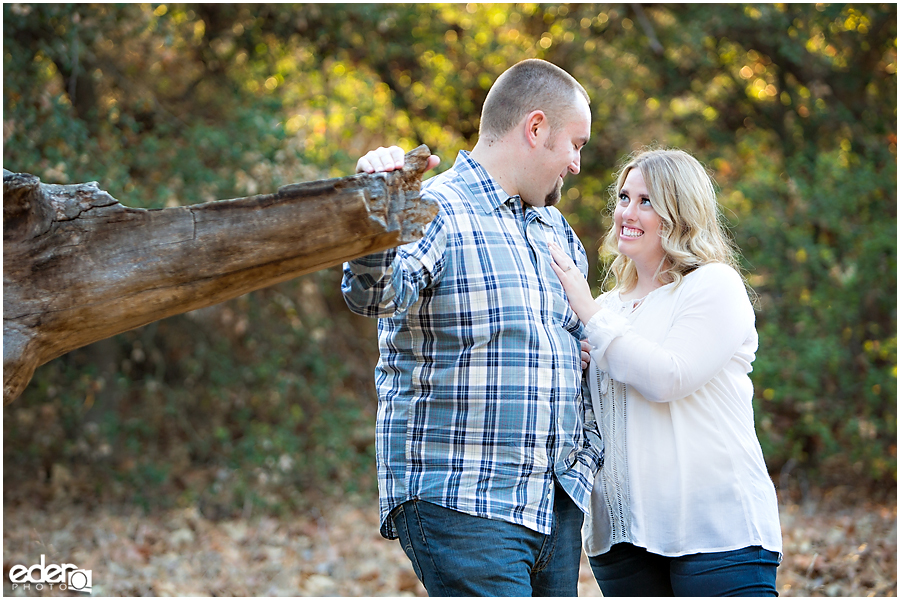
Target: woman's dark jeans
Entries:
(628, 570)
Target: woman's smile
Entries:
(631, 232)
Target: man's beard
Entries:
(554, 196)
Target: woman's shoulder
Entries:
(716, 282)
(715, 273)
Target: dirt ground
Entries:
(830, 549)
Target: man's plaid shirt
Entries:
(479, 380)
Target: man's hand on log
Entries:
(388, 159)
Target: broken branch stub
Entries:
(79, 267)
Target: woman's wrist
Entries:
(586, 311)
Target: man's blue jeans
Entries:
(456, 554)
(628, 570)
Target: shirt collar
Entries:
(487, 192)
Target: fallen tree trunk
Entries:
(79, 267)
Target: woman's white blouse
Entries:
(683, 470)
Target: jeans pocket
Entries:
(401, 518)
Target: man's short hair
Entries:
(529, 85)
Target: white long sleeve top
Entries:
(683, 471)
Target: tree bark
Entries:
(79, 267)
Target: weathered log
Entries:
(79, 267)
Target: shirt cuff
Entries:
(602, 329)
(372, 263)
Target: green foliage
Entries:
(247, 403)
(263, 399)
(822, 257)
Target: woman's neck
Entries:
(646, 283)
(638, 292)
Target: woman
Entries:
(684, 504)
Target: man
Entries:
(484, 466)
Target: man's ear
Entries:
(536, 127)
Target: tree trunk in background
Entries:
(79, 267)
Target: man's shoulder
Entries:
(447, 183)
(450, 190)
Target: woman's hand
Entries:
(577, 289)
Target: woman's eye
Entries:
(623, 199)
(645, 201)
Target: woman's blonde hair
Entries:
(682, 194)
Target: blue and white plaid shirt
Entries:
(479, 380)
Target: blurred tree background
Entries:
(262, 402)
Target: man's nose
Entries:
(575, 165)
